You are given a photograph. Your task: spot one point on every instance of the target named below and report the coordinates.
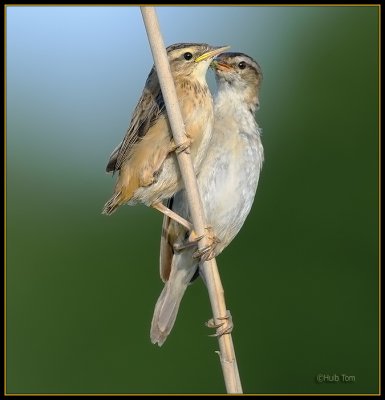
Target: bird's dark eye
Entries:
(242, 65)
(187, 56)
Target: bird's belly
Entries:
(168, 180)
(166, 184)
(228, 187)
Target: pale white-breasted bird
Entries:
(227, 182)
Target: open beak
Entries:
(220, 66)
(212, 53)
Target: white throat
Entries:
(231, 101)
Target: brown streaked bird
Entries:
(145, 159)
(227, 182)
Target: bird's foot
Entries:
(191, 241)
(184, 146)
(208, 252)
(223, 328)
(205, 254)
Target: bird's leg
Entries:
(222, 328)
(207, 252)
(171, 214)
(184, 146)
(192, 241)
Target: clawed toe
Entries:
(190, 242)
(222, 328)
(204, 254)
(208, 252)
(184, 146)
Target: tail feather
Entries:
(165, 313)
(112, 204)
(167, 306)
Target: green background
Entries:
(301, 278)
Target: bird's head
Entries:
(239, 72)
(192, 59)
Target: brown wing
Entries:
(166, 249)
(149, 108)
(172, 233)
(112, 160)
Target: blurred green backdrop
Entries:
(301, 278)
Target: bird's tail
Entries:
(112, 204)
(125, 188)
(167, 306)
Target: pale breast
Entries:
(228, 183)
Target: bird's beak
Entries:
(221, 66)
(211, 53)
